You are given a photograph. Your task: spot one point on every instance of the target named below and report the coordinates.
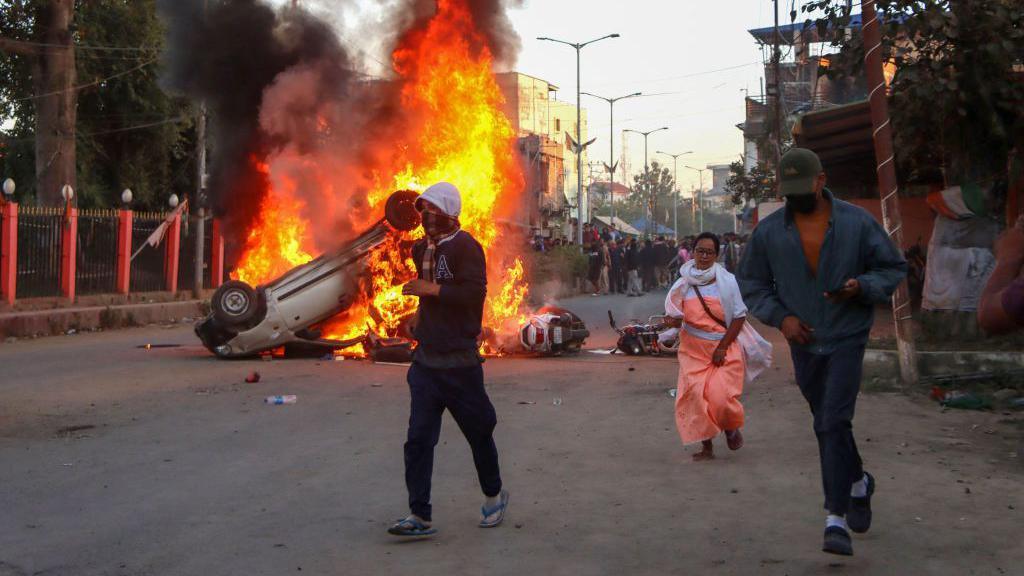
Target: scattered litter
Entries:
(557, 402)
(69, 464)
(376, 385)
(672, 392)
(253, 378)
(285, 399)
(151, 346)
(339, 358)
(631, 369)
(526, 402)
(602, 351)
(69, 431)
(960, 399)
(402, 364)
(72, 332)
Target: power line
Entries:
(91, 47)
(89, 84)
(683, 76)
(138, 127)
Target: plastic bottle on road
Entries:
(286, 399)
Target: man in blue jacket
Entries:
(446, 372)
(815, 271)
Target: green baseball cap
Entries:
(798, 170)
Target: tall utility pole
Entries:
(700, 196)
(777, 67)
(197, 273)
(675, 194)
(579, 146)
(611, 143)
(197, 278)
(887, 186)
(650, 201)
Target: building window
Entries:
(558, 125)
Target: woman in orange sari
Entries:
(705, 302)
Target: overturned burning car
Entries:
(247, 320)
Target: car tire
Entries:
(234, 303)
(400, 210)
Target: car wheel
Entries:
(400, 210)
(234, 303)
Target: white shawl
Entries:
(757, 352)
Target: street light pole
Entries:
(646, 170)
(675, 183)
(579, 142)
(700, 194)
(611, 144)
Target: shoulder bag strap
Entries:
(708, 310)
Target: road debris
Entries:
(279, 400)
(253, 378)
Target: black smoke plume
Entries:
(227, 55)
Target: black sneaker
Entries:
(858, 517)
(837, 541)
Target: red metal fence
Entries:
(47, 252)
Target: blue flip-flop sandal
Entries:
(411, 527)
(499, 509)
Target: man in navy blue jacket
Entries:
(446, 372)
(815, 271)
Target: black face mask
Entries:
(436, 225)
(803, 204)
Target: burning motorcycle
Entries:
(553, 331)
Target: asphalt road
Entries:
(118, 460)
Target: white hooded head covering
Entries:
(445, 196)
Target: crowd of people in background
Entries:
(621, 264)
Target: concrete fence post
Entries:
(69, 254)
(124, 251)
(216, 254)
(9, 254)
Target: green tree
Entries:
(956, 93)
(754, 186)
(128, 132)
(653, 192)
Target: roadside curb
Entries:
(37, 323)
(884, 364)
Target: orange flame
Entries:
(454, 131)
(275, 244)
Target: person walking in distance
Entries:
(446, 371)
(633, 284)
(815, 271)
(616, 276)
(606, 264)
